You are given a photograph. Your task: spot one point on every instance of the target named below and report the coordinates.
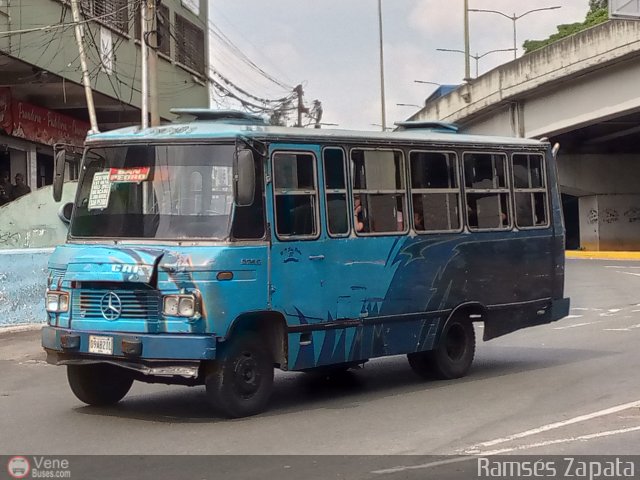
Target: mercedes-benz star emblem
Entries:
(111, 306)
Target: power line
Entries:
(56, 26)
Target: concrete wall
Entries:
(598, 174)
(23, 282)
(27, 225)
(32, 221)
(610, 222)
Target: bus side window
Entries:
(379, 194)
(487, 191)
(435, 191)
(530, 190)
(296, 196)
(335, 191)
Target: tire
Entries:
(453, 355)
(240, 381)
(99, 384)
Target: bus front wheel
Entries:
(453, 355)
(240, 381)
(99, 384)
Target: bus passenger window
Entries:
(379, 196)
(435, 191)
(487, 191)
(295, 195)
(336, 191)
(530, 191)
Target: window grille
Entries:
(190, 46)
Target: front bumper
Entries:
(127, 346)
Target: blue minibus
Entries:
(214, 249)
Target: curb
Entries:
(27, 327)
(602, 255)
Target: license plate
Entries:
(103, 345)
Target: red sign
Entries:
(129, 175)
(46, 126)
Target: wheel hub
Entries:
(456, 342)
(247, 375)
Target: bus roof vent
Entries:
(221, 116)
(427, 125)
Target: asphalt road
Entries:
(568, 388)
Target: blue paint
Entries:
(23, 279)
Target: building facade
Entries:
(42, 101)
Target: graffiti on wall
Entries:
(23, 239)
(609, 215)
(633, 214)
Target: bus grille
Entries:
(136, 304)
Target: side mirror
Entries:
(64, 213)
(245, 178)
(58, 177)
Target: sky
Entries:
(332, 48)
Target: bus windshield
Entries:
(155, 191)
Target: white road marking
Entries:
(614, 310)
(580, 308)
(476, 454)
(627, 329)
(590, 436)
(574, 325)
(423, 465)
(563, 423)
(619, 266)
(573, 316)
(631, 273)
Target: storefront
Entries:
(27, 135)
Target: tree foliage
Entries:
(598, 13)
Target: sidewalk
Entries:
(602, 255)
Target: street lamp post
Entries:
(476, 57)
(514, 18)
(382, 99)
(408, 105)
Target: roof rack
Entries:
(427, 125)
(222, 116)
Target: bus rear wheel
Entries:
(99, 384)
(453, 355)
(240, 381)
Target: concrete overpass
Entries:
(583, 92)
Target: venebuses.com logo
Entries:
(38, 467)
(18, 467)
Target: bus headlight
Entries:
(57, 302)
(179, 305)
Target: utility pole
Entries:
(301, 108)
(467, 52)
(152, 40)
(144, 103)
(382, 94)
(75, 11)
